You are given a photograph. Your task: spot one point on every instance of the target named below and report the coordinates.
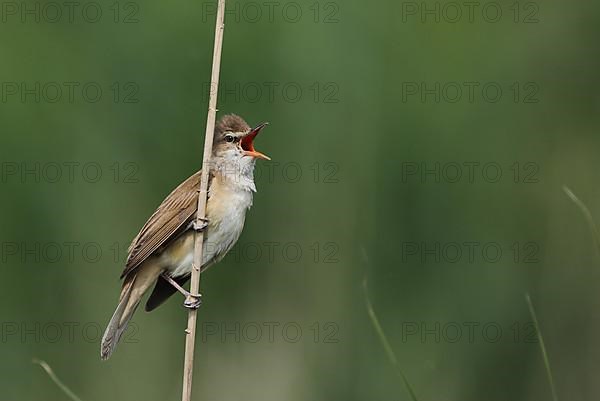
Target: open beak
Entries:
(248, 145)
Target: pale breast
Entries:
(226, 213)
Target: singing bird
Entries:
(161, 254)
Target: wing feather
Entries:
(166, 223)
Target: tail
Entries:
(134, 287)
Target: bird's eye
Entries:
(229, 138)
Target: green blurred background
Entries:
(351, 91)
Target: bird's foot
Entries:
(200, 224)
(193, 301)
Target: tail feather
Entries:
(134, 287)
(118, 323)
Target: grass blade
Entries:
(56, 380)
(586, 214)
(542, 346)
(386, 344)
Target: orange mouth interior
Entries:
(247, 144)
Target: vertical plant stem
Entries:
(190, 332)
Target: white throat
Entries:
(235, 171)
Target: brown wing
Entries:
(172, 216)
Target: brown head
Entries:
(234, 139)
